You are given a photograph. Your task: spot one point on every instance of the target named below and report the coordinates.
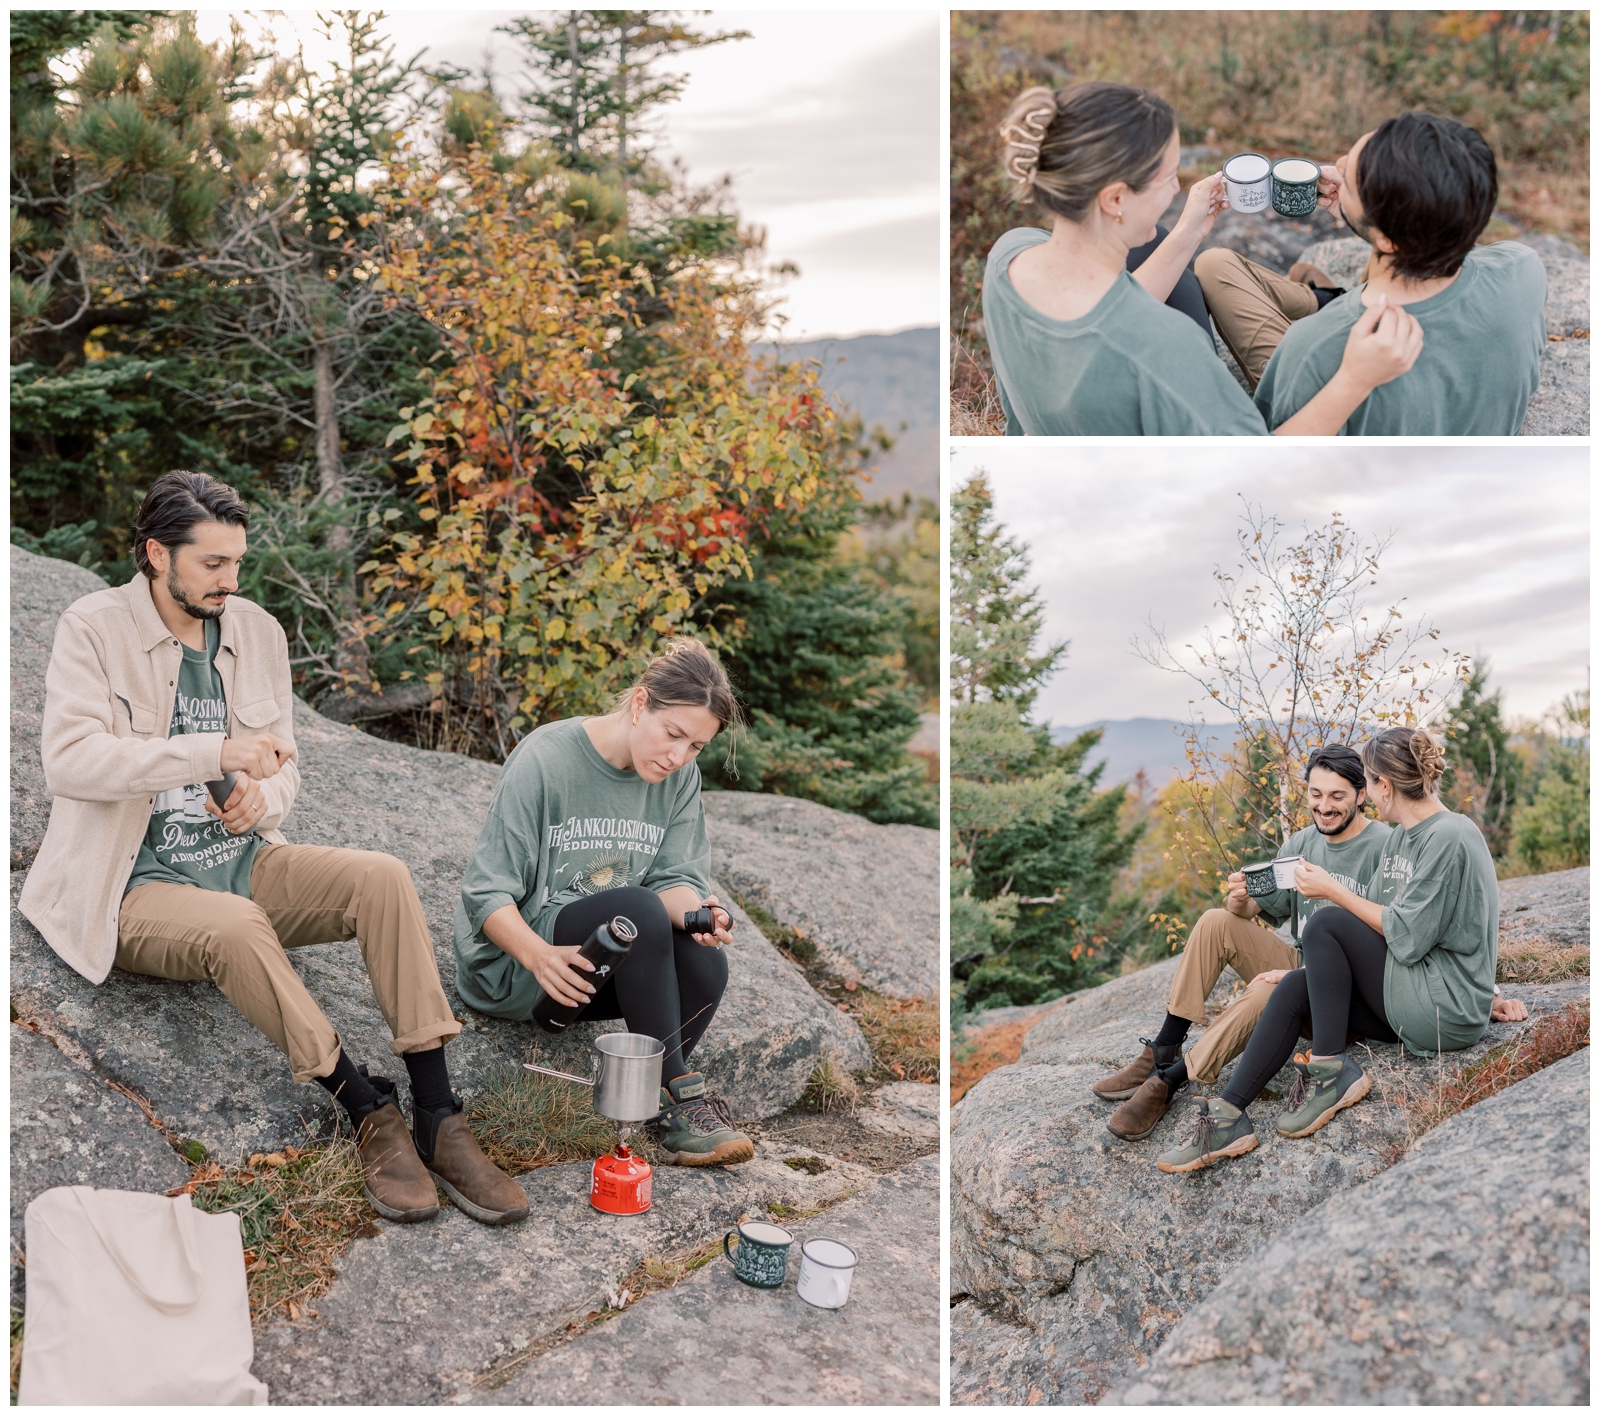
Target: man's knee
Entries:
(1210, 928)
(1218, 267)
(237, 930)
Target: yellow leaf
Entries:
(555, 629)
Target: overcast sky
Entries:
(828, 121)
(1490, 543)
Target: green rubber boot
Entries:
(1320, 1091)
(695, 1128)
(1219, 1131)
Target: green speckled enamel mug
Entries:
(1294, 186)
(762, 1258)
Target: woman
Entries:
(1097, 326)
(596, 817)
(1415, 965)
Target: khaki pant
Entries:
(1218, 940)
(299, 895)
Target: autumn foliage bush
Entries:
(595, 456)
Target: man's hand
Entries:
(1330, 187)
(1238, 901)
(245, 806)
(724, 923)
(1507, 1010)
(261, 755)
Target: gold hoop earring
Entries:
(1119, 218)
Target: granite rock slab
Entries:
(711, 1340)
(903, 1109)
(434, 1306)
(1458, 1278)
(214, 1079)
(1060, 1227)
(866, 895)
(69, 1128)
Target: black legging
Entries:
(1186, 297)
(1340, 989)
(669, 987)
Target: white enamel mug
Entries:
(826, 1268)
(1283, 871)
(1248, 179)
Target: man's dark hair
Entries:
(1340, 758)
(175, 505)
(1429, 184)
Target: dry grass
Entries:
(1542, 963)
(975, 410)
(1453, 1090)
(831, 1088)
(524, 1120)
(16, 1350)
(985, 1050)
(298, 1211)
(903, 1033)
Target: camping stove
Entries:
(621, 1182)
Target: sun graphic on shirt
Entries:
(606, 873)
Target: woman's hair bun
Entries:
(1411, 758)
(1023, 130)
(1429, 752)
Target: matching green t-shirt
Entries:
(1130, 366)
(184, 844)
(564, 824)
(1483, 336)
(1441, 920)
(1353, 863)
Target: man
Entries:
(1341, 840)
(1420, 190)
(171, 682)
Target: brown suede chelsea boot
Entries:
(475, 1186)
(1122, 1084)
(1136, 1118)
(393, 1177)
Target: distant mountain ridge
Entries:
(892, 381)
(1154, 745)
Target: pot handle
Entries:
(565, 1076)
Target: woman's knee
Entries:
(703, 966)
(644, 908)
(1320, 931)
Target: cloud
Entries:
(1489, 543)
(890, 246)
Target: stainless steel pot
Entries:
(626, 1076)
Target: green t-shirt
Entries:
(1130, 366)
(1482, 339)
(1441, 920)
(1353, 863)
(564, 824)
(184, 844)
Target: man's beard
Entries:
(182, 600)
(1359, 224)
(1343, 825)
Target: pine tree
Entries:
(1484, 776)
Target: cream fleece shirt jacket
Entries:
(109, 695)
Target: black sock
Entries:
(430, 1080)
(353, 1091)
(1173, 1031)
(1325, 295)
(1176, 1075)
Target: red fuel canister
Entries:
(621, 1183)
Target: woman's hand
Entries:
(724, 923)
(1507, 1010)
(1270, 976)
(1383, 344)
(245, 806)
(560, 973)
(1314, 882)
(1206, 198)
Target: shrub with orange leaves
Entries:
(593, 459)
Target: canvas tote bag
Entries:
(134, 1300)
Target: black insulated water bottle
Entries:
(606, 949)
